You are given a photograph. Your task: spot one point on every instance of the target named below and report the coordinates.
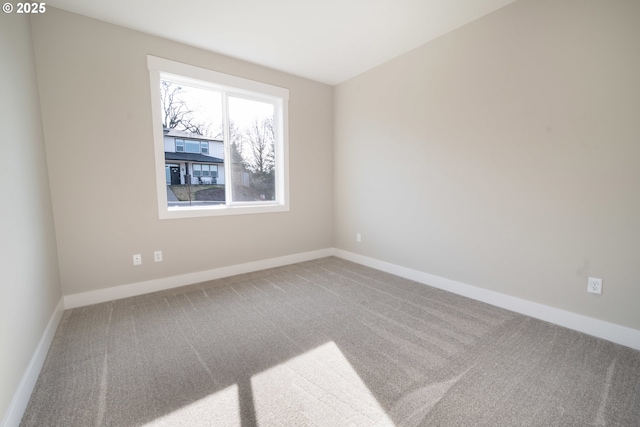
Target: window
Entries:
(192, 146)
(205, 170)
(241, 122)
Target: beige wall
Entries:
(94, 90)
(505, 155)
(30, 287)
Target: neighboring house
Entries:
(188, 155)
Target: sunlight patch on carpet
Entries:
(220, 408)
(317, 387)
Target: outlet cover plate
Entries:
(594, 285)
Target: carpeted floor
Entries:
(326, 343)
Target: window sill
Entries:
(194, 211)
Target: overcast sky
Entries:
(207, 107)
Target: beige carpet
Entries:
(326, 343)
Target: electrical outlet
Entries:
(594, 285)
(157, 256)
(137, 259)
(358, 237)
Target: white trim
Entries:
(140, 288)
(612, 332)
(598, 328)
(228, 85)
(216, 80)
(22, 395)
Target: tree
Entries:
(256, 146)
(259, 146)
(176, 113)
(235, 140)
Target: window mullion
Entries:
(227, 150)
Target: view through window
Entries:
(222, 146)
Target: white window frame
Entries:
(160, 68)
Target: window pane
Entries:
(192, 146)
(191, 109)
(205, 147)
(179, 145)
(252, 146)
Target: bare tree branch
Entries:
(176, 112)
(259, 146)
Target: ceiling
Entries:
(328, 41)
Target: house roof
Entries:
(192, 157)
(184, 134)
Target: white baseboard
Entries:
(21, 398)
(598, 328)
(612, 332)
(140, 288)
